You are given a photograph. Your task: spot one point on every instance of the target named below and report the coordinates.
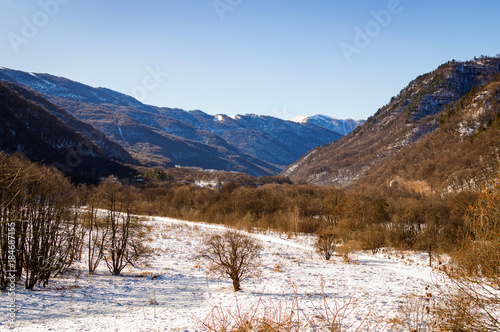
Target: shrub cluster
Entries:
(39, 231)
(43, 229)
(368, 218)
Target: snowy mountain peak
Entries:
(342, 126)
(299, 119)
(321, 116)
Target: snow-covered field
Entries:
(170, 290)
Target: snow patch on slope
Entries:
(120, 130)
(299, 119)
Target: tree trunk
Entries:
(236, 283)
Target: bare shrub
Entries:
(345, 250)
(333, 315)
(473, 304)
(347, 228)
(326, 243)
(124, 242)
(427, 240)
(261, 316)
(479, 253)
(456, 311)
(373, 238)
(96, 231)
(232, 254)
(288, 314)
(414, 314)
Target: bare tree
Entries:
(427, 239)
(48, 227)
(96, 229)
(232, 255)
(13, 174)
(123, 243)
(39, 230)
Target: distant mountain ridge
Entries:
(398, 130)
(111, 149)
(159, 136)
(341, 126)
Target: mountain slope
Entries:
(257, 145)
(415, 112)
(341, 126)
(29, 128)
(111, 149)
(141, 133)
(462, 154)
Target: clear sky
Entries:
(284, 58)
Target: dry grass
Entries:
(287, 314)
(414, 314)
(454, 308)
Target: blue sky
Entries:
(343, 58)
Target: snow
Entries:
(318, 117)
(170, 290)
(466, 131)
(50, 85)
(322, 117)
(299, 119)
(120, 129)
(210, 184)
(292, 168)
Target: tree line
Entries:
(51, 229)
(43, 228)
(366, 217)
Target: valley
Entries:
(250, 166)
(388, 224)
(163, 137)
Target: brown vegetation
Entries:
(288, 314)
(371, 219)
(474, 301)
(325, 243)
(39, 231)
(232, 255)
(397, 144)
(50, 232)
(42, 229)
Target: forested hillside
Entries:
(437, 117)
(32, 130)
